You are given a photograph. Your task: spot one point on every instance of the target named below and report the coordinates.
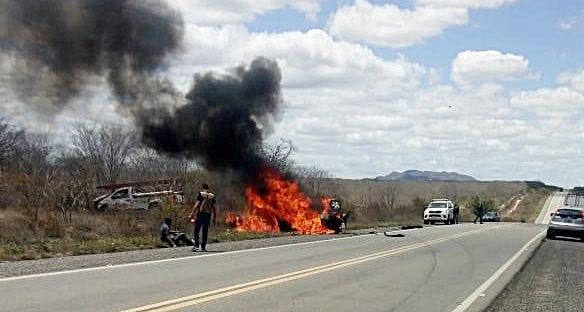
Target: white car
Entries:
(128, 198)
(439, 210)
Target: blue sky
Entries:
(532, 29)
(527, 27)
(490, 88)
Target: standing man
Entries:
(479, 212)
(202, 213)
(456, 212)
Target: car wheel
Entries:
(432, 222)
(550, 235)
(426, 222)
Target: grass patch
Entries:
(12, 251)
(530, 207)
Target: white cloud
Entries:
(390, 26)
(572, 22)
(561, 102)
(213, 12)
(471, 4)
(471, 67)
(574, 80)
(308, 59)
(566, 24)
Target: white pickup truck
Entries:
(129, 198)
(439, 210)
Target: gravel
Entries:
(8, 269)
(552, 280)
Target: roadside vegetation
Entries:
(530, 207)
(46, 194)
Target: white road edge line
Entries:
(544, 209)
(463, 306)
(123, 265)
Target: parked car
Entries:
(568, 222)
(439, 210)
(491, 216)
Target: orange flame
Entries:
(280, 202)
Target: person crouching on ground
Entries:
(202, 213)
(171, 237)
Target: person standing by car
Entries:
(479, 212)
(203, 212)
(455, 213)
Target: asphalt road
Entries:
(552, 279)
(555, 201)
(430, 269)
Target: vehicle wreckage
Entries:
(133, 196)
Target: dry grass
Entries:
(96, 232)
(371, 204)
(530, 207)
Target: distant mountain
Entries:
(416, 175)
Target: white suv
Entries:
(441, 210)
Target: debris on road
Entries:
(389, 234)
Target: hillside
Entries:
(417, 175)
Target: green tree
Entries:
(480, 206)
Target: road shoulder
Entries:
(550, 281)
(28, 267)
(492, 287)
(67, 263)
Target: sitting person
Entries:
(171, 237)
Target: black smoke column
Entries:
(225, 120)
(59, 46)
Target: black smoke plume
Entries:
(59, 45)
(224, 121)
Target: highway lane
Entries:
(554, 201)
(552, 279)
(430, 269)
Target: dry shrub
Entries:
(14, 226)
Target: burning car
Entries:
(332, 217)
(279, 205)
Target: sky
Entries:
(489, 88)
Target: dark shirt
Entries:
(209, 196)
